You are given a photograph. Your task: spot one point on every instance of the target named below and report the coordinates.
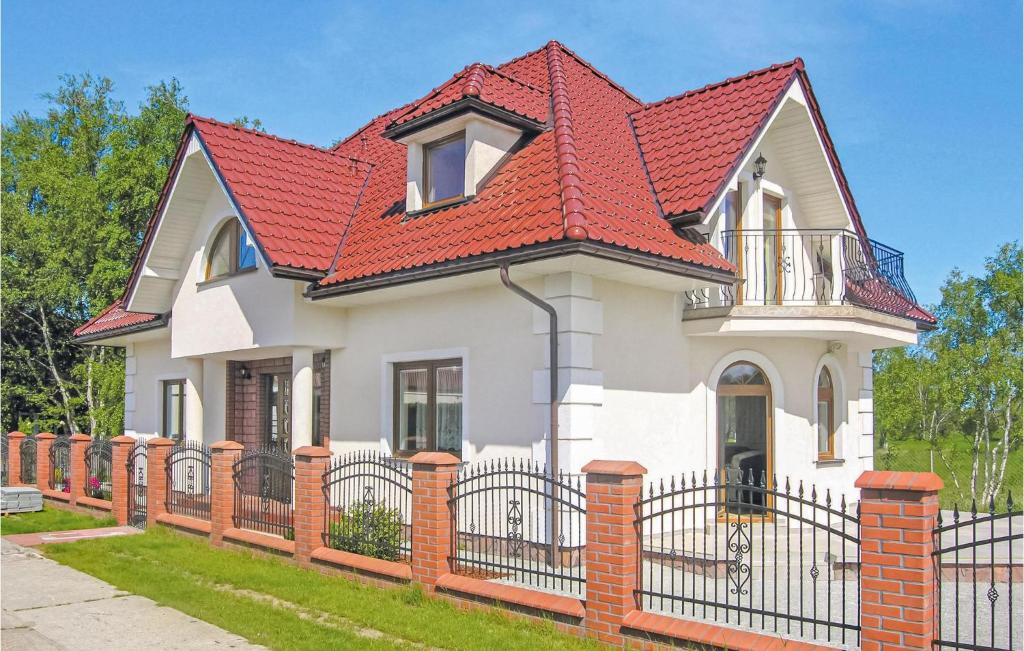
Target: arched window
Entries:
(826, 405)
(744, 429)
(230, 252)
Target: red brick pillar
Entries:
(14, 440)
(432, 520)
(156, 478)
(898, 511)
(310, 501)
(44, 472)
(222, 488)
(79, 480)
(613, 546)
(120, 449)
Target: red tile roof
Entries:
(488, 85)
(693, 142)
(605, 169)
(114, 317)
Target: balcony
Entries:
(807, 268)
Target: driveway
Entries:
(49, 606)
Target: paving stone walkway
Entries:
(46, 605)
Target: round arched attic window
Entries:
(231, 251)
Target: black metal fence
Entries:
(188, 480)
(5, 452)
(520, 523)
(263, 481)
(754, 554)
(60, 464)
(369, 506)
(28, 461)
(98, 462)
(975, 568)
(136, 468)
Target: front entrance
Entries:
(277, 411)
(744, 435)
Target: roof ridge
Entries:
(370, 123)
(565, 148)
(611, 82)
(192, 117)
(798, 63)
(474, 80)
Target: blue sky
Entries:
(922, 98)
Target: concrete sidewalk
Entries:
(49, 606)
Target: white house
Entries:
(715, 294)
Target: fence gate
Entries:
(978, 562)
(752, 553)
(136, 469)
(28, 461)
(60, 464)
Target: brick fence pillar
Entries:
(898, 511)
(14, 440)
(120, 449)
(76, 463)
(613, 546)
(44, 472)
(432, 520)
(310, 501)
(222, 488)
(156, 478)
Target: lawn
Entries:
(51, 519)
(280, 606)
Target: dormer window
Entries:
(231, 252)
(444, 169)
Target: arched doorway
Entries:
(745, 431)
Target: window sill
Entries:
(439, 205)
(829, 463)
(228, 276)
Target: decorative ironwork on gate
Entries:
(751, 553)
(519, 522)
(137, 471)
(98, 471)
(263, 480)
(188, 479)
(60, 464)
(978, 560)
(28, 460)
(369, 505)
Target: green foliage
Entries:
(51, 519)
(370, 530)
(960, 390)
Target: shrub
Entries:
(369, 530)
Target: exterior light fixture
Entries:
(243, 372)
(759, 165)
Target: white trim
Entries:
(839, 404)
(388, 360)
(777, 394)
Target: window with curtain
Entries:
(428, 406)
(174, 409)
(230, 252)
(826, 415)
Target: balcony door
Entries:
(744, 436)
(773, 249)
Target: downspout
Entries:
(553, 399)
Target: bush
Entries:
(369, 530)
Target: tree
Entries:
(964, 381)
(78, 187)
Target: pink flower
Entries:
(94, 483)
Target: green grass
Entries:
(914, 455)
(278, 605)
(51, 519)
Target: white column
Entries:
(866, 408)
(302, 397)
(194, 399)
(215, 380)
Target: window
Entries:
(826, 416)
(444, 169)
(231, 251)
(744, 433)
(174, 409)
(428, 406)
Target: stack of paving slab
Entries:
(20, 499)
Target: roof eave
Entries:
(160, 322)
(457, 108)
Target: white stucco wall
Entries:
(147, 364)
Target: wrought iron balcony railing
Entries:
(809, 267)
